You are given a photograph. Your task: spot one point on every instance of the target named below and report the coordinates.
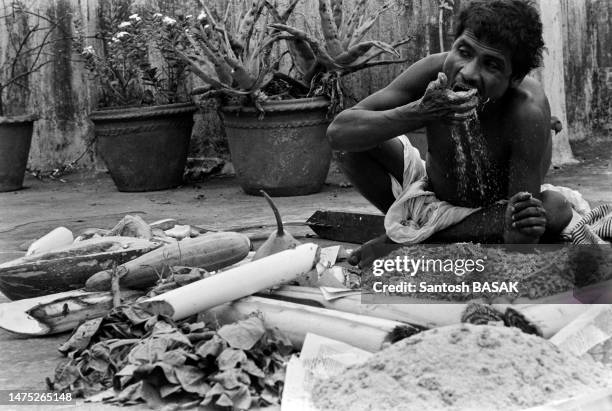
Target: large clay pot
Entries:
(285, 153)
(15, 140)
(145, 148)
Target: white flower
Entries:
(207, 26)
(115, 39)
(188, 16)
(201, 16)
(88, 51)
(169, 21)
(135, 17)
(122, 34)
(124, 24)
(157, 15)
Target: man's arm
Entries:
(529, 145)
(530, 138)
(388, 112)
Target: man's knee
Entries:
(350, 162)
(558, 211)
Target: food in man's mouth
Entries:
(462, 87)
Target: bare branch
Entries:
(24, 74)
(375, 63)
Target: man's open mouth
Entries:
(461, 87)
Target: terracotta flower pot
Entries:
(15, 140)
(286, 153)
(145, 148)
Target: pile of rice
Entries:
(462, 367)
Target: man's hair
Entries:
(514, 24)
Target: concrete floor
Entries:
(91, 200)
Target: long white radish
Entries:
(296, 320)
(240, 281)
(419, 312)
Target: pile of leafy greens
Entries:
(137, 353)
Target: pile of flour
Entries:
(462, 367)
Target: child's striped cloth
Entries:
(594, 227)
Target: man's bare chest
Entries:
(452, 143)
(467, 163)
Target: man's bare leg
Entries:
(492, 225)
(369, 171)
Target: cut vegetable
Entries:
(210, 251)
(56, 313)
(296, 320)
(68, 268)
(277, 241)
(420, 313)
(240, 281)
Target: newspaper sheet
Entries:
(320, 358)
(590, 333)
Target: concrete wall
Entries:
(63, 96)
(587, 35)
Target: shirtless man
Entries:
(497, 43)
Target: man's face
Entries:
(472, 63)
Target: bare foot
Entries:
(376, 248)
(524, 220)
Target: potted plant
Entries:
(142, 128)
(275, 115)
(23, 57)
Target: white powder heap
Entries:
(462, 367)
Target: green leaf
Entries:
(65, 375)
(270, 396)
(224, 401)
(127, 371)
(231, 358)
(169, 372)
(151, 395)
(231, 379)
(280, 341)
(157, 374)
(174, 358)
(168, 389)
(148, 350)
(278, 377)
(241, 400)
(217, 389)
(250, 367)
(192, 379)
(81, 337)
(196, 327)
(162, 327)
(243, 334)
(169, 333)
(131, 392)
(212, 347)
(136, 315)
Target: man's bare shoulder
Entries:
(527, 127)
(528, 99)
(528, 105)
